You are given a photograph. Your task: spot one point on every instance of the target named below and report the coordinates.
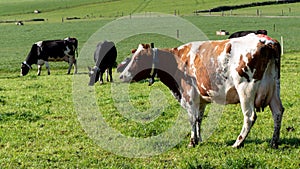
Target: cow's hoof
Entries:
(238, 145)
(274, 145)
(191, 145)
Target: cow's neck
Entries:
(32, 57)
(167, 71)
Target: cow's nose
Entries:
(121, 77)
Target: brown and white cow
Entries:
(243, 70)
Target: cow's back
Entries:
(105, 54)
(53, 49)
(220, 66)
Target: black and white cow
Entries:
(51, 50)
(105, 57)
(244, 33)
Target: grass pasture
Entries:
(40, 127)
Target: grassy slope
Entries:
(110, 9)
(41, 129)
(26, 6)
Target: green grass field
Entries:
(39, 122)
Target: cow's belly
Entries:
(58, 59)
(223, 96)
(264, 93)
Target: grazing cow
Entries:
(105, 58)
(244, 33)
(51, 50)
(243, 70)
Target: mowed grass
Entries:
(39, 126)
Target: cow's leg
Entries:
(199, 118)
(247, 104)
(107, 72)
(193, 122)
(39, 70)
(110, 74)
(70, 64)
(101, 78)
(40, 64)
(75, 65)
(47, 67)
(277, 112)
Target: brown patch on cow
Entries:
(240, 137)
(187, 87)
(219, 46)
(232, 96)
(205, 65)
(242, 69)
(146, 46)
(258, 62)
(228, 48)
(183, 55)
(133, 50)
(206, 61)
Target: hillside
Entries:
(10, 7)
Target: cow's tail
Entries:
(76, 51)
(277, 56)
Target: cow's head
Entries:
(140, 65)
(123, 65)
(25, 67)
(94, 74)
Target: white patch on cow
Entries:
(40, 62)
(39, 43)
(66, 52)
(203, 87)
(47, 65)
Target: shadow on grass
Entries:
(284, 142)
(11, 77)
(25, 116)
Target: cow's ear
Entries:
(133, 51)
(147, 46)
(90, 69)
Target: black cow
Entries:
(51, 50)
(244, 33)
(105, 57)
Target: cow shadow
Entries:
(10, 77)
(285, 143)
